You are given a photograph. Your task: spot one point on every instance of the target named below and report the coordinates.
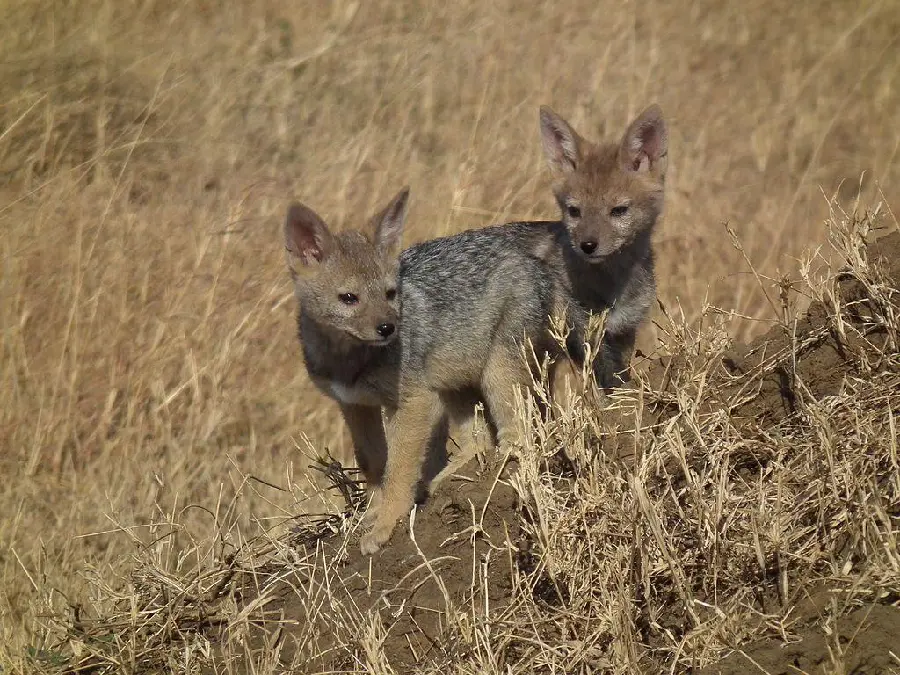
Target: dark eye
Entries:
(573, 211)
(617, 211)
(348, 298)
(391, 294)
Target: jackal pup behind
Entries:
(610, 195)
(346, 285)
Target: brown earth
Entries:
(823, 362)
(866, 637)
(412, 594)
(416, 585)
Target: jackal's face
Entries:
(347, 282)
(609, 194)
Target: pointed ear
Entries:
(646, 143)
(388, 225)
(562, 146)
(306, 237)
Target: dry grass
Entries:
(690, 515)
(150, 385)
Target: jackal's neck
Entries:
(600, 285)
(332, 354)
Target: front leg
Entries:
(413, 427)
(611, 368)
(369, 442)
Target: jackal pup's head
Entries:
(610, 194)
(347, 281)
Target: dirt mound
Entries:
(411, 584)
(414, 586)
(809, 354)
(736, 509)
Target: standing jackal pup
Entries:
(346, 285)
(468, 302)
(610, 196)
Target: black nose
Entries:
(385, 329)
(589, 246)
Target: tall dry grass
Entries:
(691, 516)
(147, 151)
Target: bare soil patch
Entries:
(865, 638)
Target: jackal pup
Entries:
(611, 196)
(346, 285)
(468, 303)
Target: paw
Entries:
(377, 536)
(378, 532)
(379, 521)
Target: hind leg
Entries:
(503, 374)
(413, 428)
(471, 436)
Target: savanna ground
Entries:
(157, 426)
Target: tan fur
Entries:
(504, 374)
(422, 404)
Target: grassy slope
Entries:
(147, 153)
